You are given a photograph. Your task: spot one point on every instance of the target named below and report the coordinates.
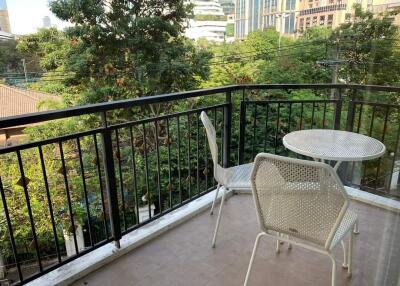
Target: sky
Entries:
(26, 16)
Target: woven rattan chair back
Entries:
(212, 142)
(303, 199)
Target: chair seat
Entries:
(237, 177)
(347, 224)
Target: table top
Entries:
(334, 145)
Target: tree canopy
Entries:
(123, 49)
(368, 45)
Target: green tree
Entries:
(49, 46)
(125, 49)
(258, 59)
(10, 58)
(369, 47)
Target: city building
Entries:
(379, 8)
(209, 21)
(293, 17)
(228, 6)
(332, 13)
(252, 15)
(4, 18)
(325, 13)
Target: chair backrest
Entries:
(304, 199)
(212, 140)
(211, 136)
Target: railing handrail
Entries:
(37, 117)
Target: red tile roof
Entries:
(17, 101)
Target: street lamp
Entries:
(281, 16)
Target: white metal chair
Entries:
(304, 201)
(233, 178)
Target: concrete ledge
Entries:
(92, 261)
(361, 196)
(372, 199)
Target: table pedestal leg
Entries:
(336, 167)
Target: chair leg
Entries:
(345, 255)
(215, 199)
(356, 230)
(350, 258)
(289, 244)
(219, 218)
(278, 246)
(333, 283)
(252, 257)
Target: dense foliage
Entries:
(369, 47)
(124, 49)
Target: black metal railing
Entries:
(126, 164)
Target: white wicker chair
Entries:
(303, 200)
(233, 178)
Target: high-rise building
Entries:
(209, 21)
(325, 13)
(46, 22)
(381, 6)
(4, 19)
(228, 6)
(252, 15)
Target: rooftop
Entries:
(17, 101)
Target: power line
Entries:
(223, 60)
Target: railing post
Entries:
(351, 111)
(338, 111)
(242, 129)
(227, 130)
(111, 185)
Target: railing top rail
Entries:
(107, 106)
(322, 86)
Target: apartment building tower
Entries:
(4, 19)
(252, 15)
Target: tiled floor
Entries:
(183, 255)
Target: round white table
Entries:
(334, 145)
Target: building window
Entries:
(307, 22)
(322, 21)
(290, 4)
(273, 5)
(330, 21)
(314, 20)
(301, 25)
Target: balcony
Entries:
(183, 256)
(105, 189)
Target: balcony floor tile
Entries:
(183, 255)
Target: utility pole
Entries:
(282, 15)
(335, 68)
(281, 26)
(25, 72)
(334, 64)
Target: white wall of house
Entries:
(144, 212)
(69, 241)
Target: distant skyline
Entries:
(26, 16)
